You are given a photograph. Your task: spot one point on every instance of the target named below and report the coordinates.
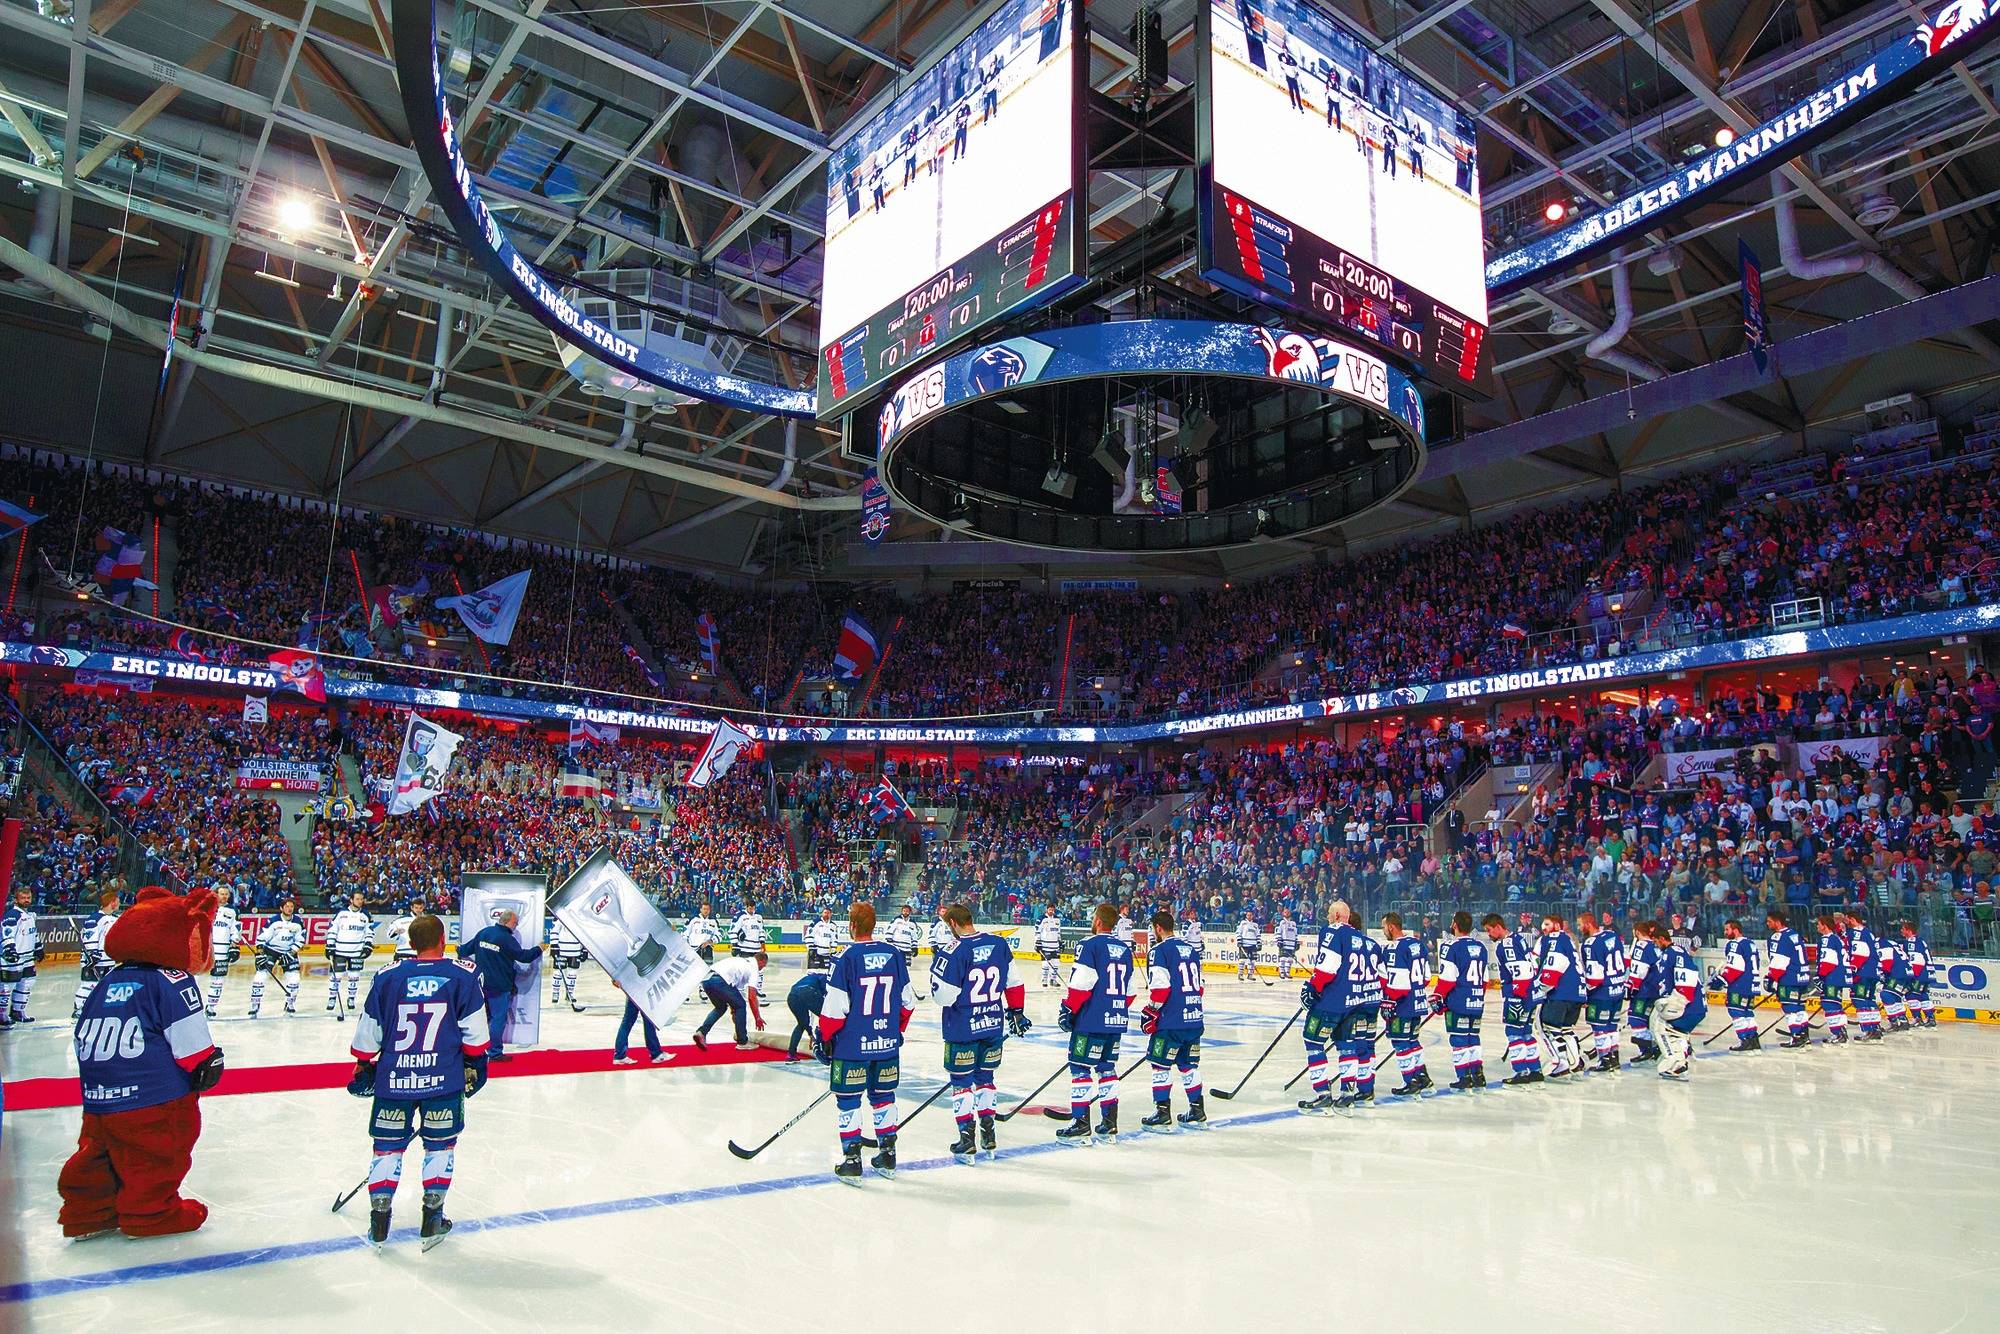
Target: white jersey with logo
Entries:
(92, 944)
(228, 931)
(1248, 935)
(350, 933)
(941, 937)
(702, 931)
(563, 942)
(822, 939)
(399, 936)
(1190, 932)
(1048, 934)
(1123, 931)
(903, 933)
(1286, 932)
(746, 934)
(24, 936)
(284, 936)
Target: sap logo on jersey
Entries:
(995, 368)
(421, 987)
(1954, 21)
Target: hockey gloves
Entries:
(1308, 995)
(208, 1074)
(1065, 1020)
(1149, 1020)
(1435, 1003)
(821, 1051)
(362, 1082)
(475, 1074)
(1018, 1022)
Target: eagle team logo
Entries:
(1290, 356)
(995, 368)
(1954, 21)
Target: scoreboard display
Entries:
(1338, 187)
(957, 203)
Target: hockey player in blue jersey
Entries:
(1604, 971)
(983, 1005)
(1514, 958)
(420, 1051)
(1788, 975)
(1405, 979)
(1645, 982)
(869, 1002)
(1094, 1012)
(1460, 996)
(1343, 1000)
(1895, 1008)
(1682, 1007)
(1917, 963)
(1831, 967)
(1172, 1023)
(1737, 981)
(1559, 994)
(1864, 961)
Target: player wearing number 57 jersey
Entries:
(1094, 1013)
(420, 1050)
(1172, 1024)
(982, 1001)
(1460, 996)
(869, 1002)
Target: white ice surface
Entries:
(1826, 1191)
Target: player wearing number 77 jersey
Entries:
(982, 1001)
(1094, 1014)
(869, 1002)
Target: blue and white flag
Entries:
(420, 770)
(725, 743)
(490, 612)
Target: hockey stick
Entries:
(1018, 1107)
(747, 1154)
(1227, 1094)
(359, 1186)
(1058, 1114)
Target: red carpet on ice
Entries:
(24, 1095)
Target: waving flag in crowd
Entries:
(420, 770)
(490, 612)
(312, 623)
(209, 607)
(300, 671)
(710, 636)
(1509, 630)
(653, 678)
(13, 519)
(582, 732)
(132, 794)
(725, 743)
(380, 599)
(183, 642)
(120, 561)
(885, 803)
(854, 657)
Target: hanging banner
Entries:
(1756, 333)
(1684, 768)
(420, 769)
(627, 936)
(270, 774)
(874, 508)
(256, 708)
(483, 896)
(1862, 749)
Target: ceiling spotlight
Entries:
(1724, 137)
(296, 214)
(1555, 211)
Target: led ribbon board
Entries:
(1954, 33)
(435, 139)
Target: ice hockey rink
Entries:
(1828, 1190)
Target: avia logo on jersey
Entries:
(1290, 355)
(1953, 22)
(420, 987)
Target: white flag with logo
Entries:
(420, 771)
(625, 933)
(256, 708)
(724, 745)
(490, 612)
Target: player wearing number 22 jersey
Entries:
(869, 1002)
(982, 1001)
(1094, 1014)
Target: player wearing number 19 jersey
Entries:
(1172, 1023)
(1094, 1014)
(974, 982)
(869, 1002)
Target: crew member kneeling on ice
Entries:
(1558, 995)
(1459, 994)
(1172, 1025)
(1681, 1009)
(1514, 957)
(1343, 999)
(807, 998)
(1737, 980)
(432, 1013)
(983, 1002)
(731, 988)
(869, 1002)
(496, 953)
(1094, 1012)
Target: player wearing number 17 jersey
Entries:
(869, 1002)
(983, 1003)
(420, 1051)
(1094, 1014)
(1172, 1024)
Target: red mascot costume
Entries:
(145, 1058)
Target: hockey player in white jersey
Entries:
(399, 934)
(1249, 944)
(1285, 936)
(226, 947)
(278, 946)
(746, 939)
(95, 963)
(1190, 932)
(1048, 943)
(1122, 932)
(704, 933)
(566, 956)
(350, 939)
(20, 951)
(941, 942)
(822, 942)
(905, 935)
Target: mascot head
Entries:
(165, 929)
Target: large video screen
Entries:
(1339, 187)
(955, 204)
